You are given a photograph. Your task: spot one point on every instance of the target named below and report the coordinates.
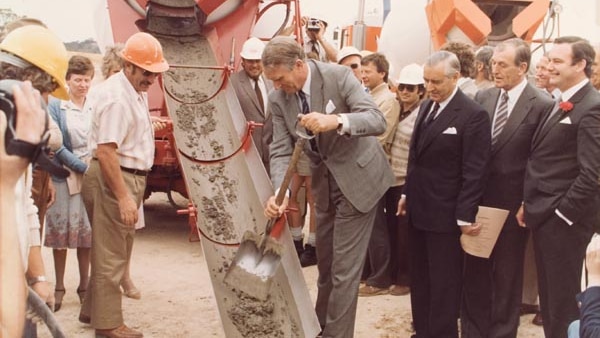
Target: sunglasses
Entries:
(410, 88)
(354, 65)
(148, 73)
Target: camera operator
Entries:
(35, 54)
(315, 45)
(29, 128)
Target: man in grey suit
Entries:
(492, 287)
(561, 201)
(350, 170)
(252, 90)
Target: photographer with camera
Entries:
(315, 45)
(30, 125)
(33, 53)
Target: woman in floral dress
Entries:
(67, 225)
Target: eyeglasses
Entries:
(410, 88)
(354, 65)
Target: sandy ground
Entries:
(177, 297)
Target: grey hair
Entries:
(449, 59)
(522, 50)
(282, 51)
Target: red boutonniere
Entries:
(566, 106)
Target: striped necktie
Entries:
(501, 117)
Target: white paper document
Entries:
(491, 220)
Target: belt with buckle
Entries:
(137, 172)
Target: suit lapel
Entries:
(443, 121)
(517, 115)
(248, 86)
(317, 93)
(559, 115)
(425, 108)
(491, 102)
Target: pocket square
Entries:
(566, 120)
(330, 107)
(450, 131)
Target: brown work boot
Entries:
(120, 332)
(84, 318)
(399, 290)
(368, 291)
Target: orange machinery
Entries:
(479, 22)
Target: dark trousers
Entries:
(378, 256)
(435, 271)
(559, 252)
(492, 288)
(398, 238)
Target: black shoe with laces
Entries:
(309, 256)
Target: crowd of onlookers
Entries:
(393, 177)
(510, 142)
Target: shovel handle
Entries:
(289, 173)
(273, 224)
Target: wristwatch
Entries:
(35, 280)
(340, 125)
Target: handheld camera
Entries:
(38, 154)
(313, 25)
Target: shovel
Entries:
(257, 259)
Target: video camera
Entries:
(313, 25)
(37, 153)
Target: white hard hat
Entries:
(411, 74)
(347, 51)
(252, 49)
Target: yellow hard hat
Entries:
(144, 51)
(43, 49)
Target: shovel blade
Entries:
(254, 265)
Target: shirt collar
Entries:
(515, 92)
(567, 94)
(306, 86)
(444, 103)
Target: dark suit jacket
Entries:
(356, 161)
(589, 326)
(446, 171)
(564, 166)
(504, 186)
(244, 90)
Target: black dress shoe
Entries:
(309, 256)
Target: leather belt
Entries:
(137, 172)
